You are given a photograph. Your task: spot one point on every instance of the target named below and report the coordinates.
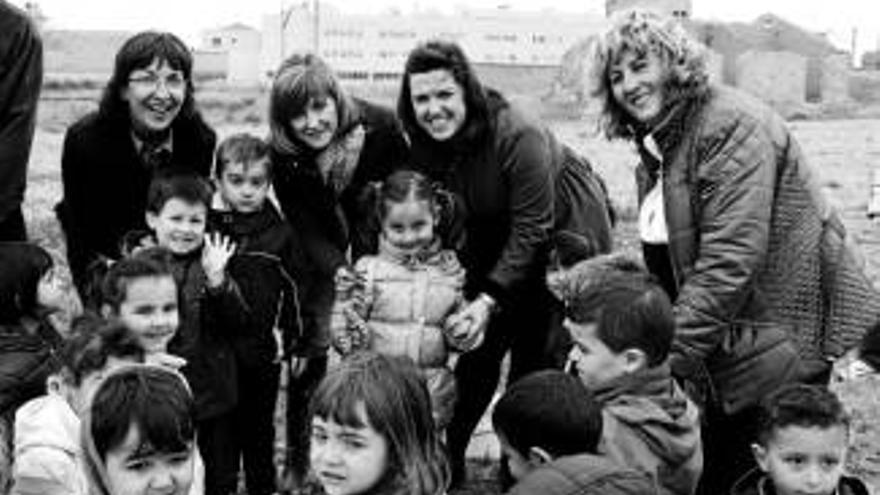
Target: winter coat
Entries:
(105, 184)
(21, 76)
(756, 482)
(48, 458)
(404, 301)
(324, 220)
(650, 424)
(584, 474)
(768, 288)
(271, 270)
(209, 320)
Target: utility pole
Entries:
(317, 26)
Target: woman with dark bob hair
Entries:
(146, 122)
(517, 187)
(766, 289)
(326, 146)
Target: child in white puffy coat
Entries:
(400, 299)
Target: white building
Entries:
(241, 45)
(373, 47)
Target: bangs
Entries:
(141, 50)
(301, 88)
(154, 401)
(338, 398)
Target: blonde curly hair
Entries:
(643, 31)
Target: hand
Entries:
(466, 329)
(346, 279)
(298, 365)
(852, 370)
(215, 255)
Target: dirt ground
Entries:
(844, 154)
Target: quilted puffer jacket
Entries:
(402, 303)
(761, 262)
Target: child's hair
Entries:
(806, 406)
(93, 341)
(154, 400)
(406, 185)
(397, 406)
(241, 148)
(628, 306)
(22, 264)
(187, 187)
(552, 410)
(148, 262)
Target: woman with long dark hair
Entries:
(147, 121)
(516, 186)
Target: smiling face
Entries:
(150, 310)
(179, 226)
(804, 460)
(438, 103)
(155, 95)
(317, 124)
(244, 187)
(637, 84)
(137, 469)
(409, 225)
(347, 460)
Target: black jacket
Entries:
(105, 184)
(272, 271)
(21, 74)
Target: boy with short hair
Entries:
(622, 326)
(269, 267)
(803, 436)
(211, 309)
(48, 458)
(549, 426)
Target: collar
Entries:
(651, 382)
(167, 144)
(430, 254)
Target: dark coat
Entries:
(105, 184)
(584, 474)
(324, 221)
(513, 179)
(311, 205)
(209, 321)
(756, 482)
(21, 75)
(271, 270)
(762, 266)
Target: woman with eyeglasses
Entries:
(146, 121)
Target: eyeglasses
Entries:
(152, 81)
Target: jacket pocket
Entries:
(755, 359)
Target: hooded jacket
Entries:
(756, 482)
(651, 425)
(585, 474)
(48, 458)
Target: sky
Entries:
(188, 18)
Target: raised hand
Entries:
(215, 256)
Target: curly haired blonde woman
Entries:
(733, 223)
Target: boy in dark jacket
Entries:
(803, 435)
(269, 267)
(621, 323)
(549, 426)
(211, 309)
